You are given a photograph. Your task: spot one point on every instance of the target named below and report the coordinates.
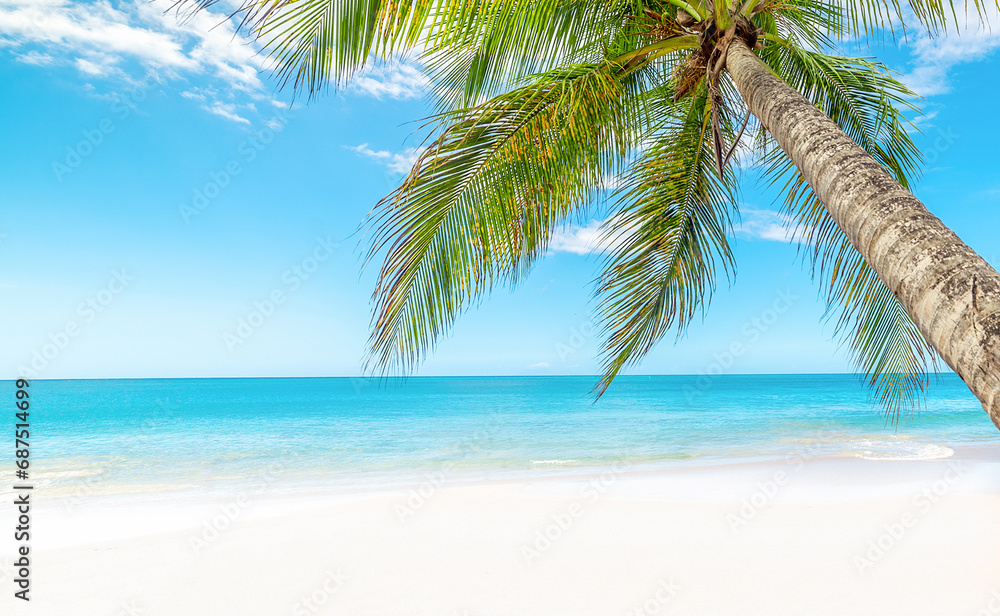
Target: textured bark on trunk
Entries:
(951, 293)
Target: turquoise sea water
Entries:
(164, 434)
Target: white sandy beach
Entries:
(787, 537)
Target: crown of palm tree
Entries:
(544, 106)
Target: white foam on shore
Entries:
(552, 461)
(882, 449)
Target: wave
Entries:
(883, 449)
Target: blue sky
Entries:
(166, 212)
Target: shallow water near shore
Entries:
(163, 435)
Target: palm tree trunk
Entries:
(951, 293)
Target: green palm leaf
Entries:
(864, 100)
(668, 233)
(477, 49)
(317, 42)
(484, 198)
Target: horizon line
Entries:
(450, 376)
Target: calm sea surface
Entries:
(122, 436)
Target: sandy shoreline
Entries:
(796, 536)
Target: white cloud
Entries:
(593, 237)
(934, 57)
(579, 240)
(36, 58)
(101, 38)
(767, 225)
(539, 365)
(85, 29)
(921, 122)
(96, 67)
(109, 38)
(397, 162)
(398, 81)
(227, 111)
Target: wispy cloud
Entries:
(396, 162)
(579, 240)
(593, 238)
(227, 111)
(767, 225)
(105, 40)
(922, 122)
(399, 81)
(117, 39)
(935, 56)
(97, 66)
(36, 58)
(540, 365)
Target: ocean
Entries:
(175, 436)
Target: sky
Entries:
(167, 211)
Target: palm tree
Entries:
(548, 107)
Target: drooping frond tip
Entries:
(676, 215)
(866, 102)
(485, 197)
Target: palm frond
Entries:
(483, 199)
(669, 234)
(870, 18)
(860, 95)
(812, 23)
(865, 101)
(477, 49)
(317, 42)
(884, 342)
(472, 48)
